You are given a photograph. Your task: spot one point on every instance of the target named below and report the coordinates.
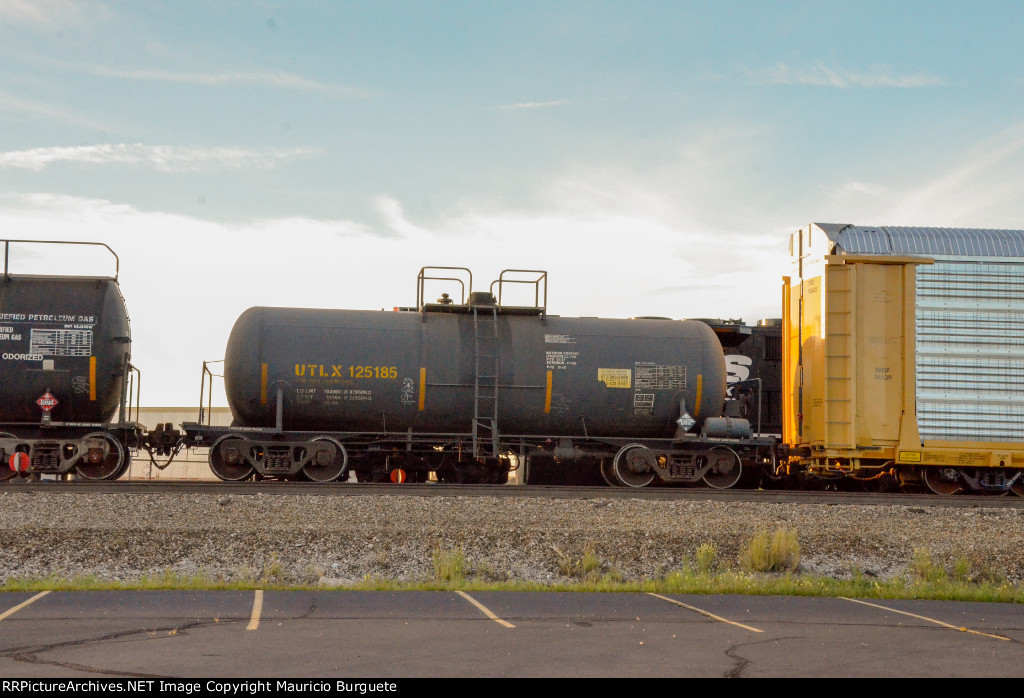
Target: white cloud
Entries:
(976, 188)
(394, 217)
(821, 75)
(17, 105)
(165, 158)
(275, 79)
(46, 12)
(532, 105)
(854, 191)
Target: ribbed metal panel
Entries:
(863, 240)
(970, 350)
(957, 242)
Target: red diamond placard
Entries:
(46, 401)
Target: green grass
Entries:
(683, 581)
(769, 565)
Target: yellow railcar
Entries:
(901, 363)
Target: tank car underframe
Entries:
(89, 451)
(718, 463)
(244, 453)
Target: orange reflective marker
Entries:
(19, 462)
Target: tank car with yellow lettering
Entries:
(467, 391)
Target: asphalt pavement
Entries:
(167, 635)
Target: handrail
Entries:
(7, 245)
(202, 391)
(422, 278)
(538, 283)
(134, 388)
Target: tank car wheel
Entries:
(726, 468)
(444, 474)
(6, 473)
(444, 468)
(229, 472)
(495, 472)
(328, 472)
(631, 467)
(607, 474)
(541, 470)
(127, 463)
(93, 465)
(525, 476)
(942, 481)
(470, 473)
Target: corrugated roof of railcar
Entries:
(905, 240)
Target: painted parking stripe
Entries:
(257, 608)
(926, 618)
(12, 611)
(483, 609)
(705, 613)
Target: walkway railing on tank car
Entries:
(132, 383)
(7, 251)
(423, 278)
(540, 287)
(207, 412)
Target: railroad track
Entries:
(533, 491)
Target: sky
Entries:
(652, 157)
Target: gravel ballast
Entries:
(339, 540)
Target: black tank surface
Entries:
(372, 371)
(63, 337)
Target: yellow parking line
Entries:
(705, 613)
(257, 607)
(483, 609)
(12, 611)
(925, 618)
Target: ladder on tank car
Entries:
(485, 383)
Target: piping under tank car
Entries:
(467, 391)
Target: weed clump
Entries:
(273, 572)
(588, 568)
(449, 565)
(926, 570)
(772, 552)
(706, 559)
